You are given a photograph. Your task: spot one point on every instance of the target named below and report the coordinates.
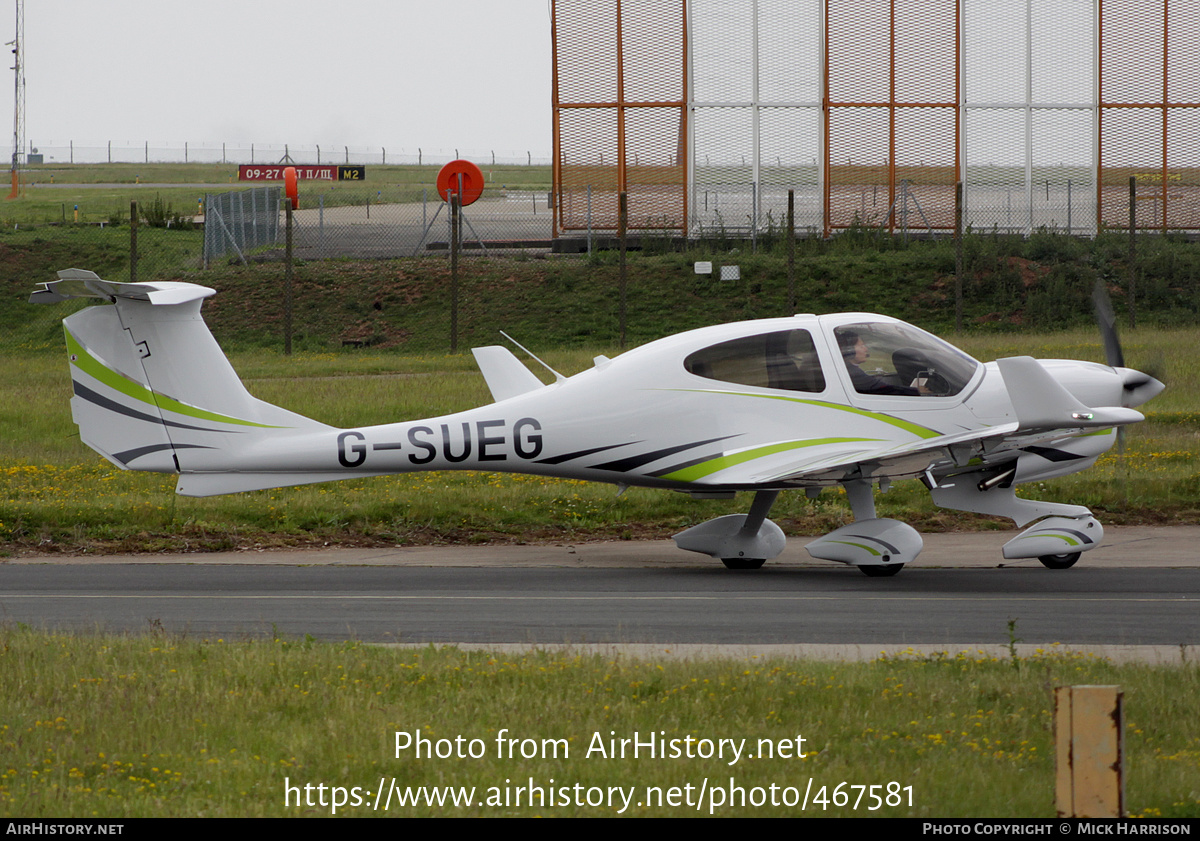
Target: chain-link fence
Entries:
(368, 273)
(366, 224)
(93, 152)
(240, 222)
(871, 111)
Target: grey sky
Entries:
(401, 74)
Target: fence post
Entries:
(754, 217)
(454, 222)
(287, 284)
(1089, 727)
(958, 257)
(622, 232)
(791, 252)
(1068, 207)
(133, 246)
(1132, 305)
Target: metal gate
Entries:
(240, 221)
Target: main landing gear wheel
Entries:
(881, 570)
(743, 563)
(1059, 561)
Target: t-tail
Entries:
(152, 389)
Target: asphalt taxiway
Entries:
(1135, 597)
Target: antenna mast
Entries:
(18, 46)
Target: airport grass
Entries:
(1019, 295)
(162, 725)
(57, 495)
(57, 194)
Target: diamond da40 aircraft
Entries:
(808, 402)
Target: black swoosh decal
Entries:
(1051, 454)
(581, 453)
(113, 406)
(129, 455)
(626, 464)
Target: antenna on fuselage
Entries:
(557, 376)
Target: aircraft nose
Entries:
(1138, 387)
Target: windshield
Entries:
(899, 359)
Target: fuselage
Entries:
(708, 408)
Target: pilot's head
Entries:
(847, 342)
(853, 348)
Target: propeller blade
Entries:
(1107, 321)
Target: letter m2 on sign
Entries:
(273, 172)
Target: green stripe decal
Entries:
(914, 428)
(707, 468)
(1070, 541)
(862, 546)
(83, 359)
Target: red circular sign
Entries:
(472, 181)
(291, 186)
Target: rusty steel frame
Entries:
(891, 104)
(1104, 141)
(621, 106)
(1163, 105)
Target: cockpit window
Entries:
(785, 360)
(899, 359)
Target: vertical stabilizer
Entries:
(152, 389)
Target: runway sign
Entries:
(324, 172)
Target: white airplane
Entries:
(763, 406)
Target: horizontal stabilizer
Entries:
(80, 283)
(505, 375)
(1041, 402)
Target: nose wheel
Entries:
(880, 570)
(743, 563)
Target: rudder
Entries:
(152, 389)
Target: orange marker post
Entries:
(472, 181)
(291, 186)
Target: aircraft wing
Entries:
(1045, 412)
(836, 463)
(834, 459)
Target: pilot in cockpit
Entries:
(855, 352)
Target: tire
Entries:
(743, 563)
(1059, 561)
(881, 570)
